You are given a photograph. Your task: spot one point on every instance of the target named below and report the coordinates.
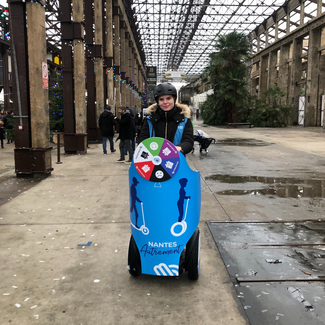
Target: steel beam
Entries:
(28, 159)
(17, 12)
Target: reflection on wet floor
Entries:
(277, 269)
(278, 186)
(242, 142)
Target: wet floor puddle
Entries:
(277, 269)
(276, 186)
(242, 142)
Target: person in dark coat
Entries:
(134, 129)
(126, 134)
(2, 131)
(138, 124)
(169, 120)
(8, 124)
(106, 124)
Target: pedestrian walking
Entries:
(126, 133)
(8, 125)
(133, 128)
(2, 132)
(106, 124)
(168, 119)
(138, 124)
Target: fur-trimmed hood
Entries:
(185, 109)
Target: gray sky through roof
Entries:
(179, 35)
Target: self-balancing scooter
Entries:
(167, 194)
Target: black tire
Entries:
(134, 260)
(193, 262)
(181, 263)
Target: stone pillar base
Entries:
(29, 161)
(94, 135)
(75, 143)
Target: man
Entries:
(8, 125)
(125, 134)
(106, 124)
(2, 132)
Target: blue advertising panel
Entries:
(165, 204)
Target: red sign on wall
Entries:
(45, 76)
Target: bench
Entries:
(238, 124)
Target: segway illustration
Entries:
(165, 204)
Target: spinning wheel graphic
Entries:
(156, 159)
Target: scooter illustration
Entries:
(180, 204)
(169, 194)
(134, 199)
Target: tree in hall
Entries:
(227, 73)
(56, 102)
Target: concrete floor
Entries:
(46, 278)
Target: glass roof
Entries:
(179, 35)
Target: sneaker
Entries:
(113, 151)
(128, 161)
(120, 160)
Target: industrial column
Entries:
(79, 78)
(74, 106)
(139, 86)
(135, 78)
(272, 69)
(117, 55)
(31, 113)
(99, 61)
(108, 59)
(322, 80)
(91, 51)
(123, 63)
(296, 72)
(312, 79)
(284, 69)
(131, 74)
(129, 69)
(262, 87)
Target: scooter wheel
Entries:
(193, 260)
(134, 261)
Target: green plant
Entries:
(272, 110)
(213, 110)
(227, 73)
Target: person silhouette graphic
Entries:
(182, 198)
(134, 198)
